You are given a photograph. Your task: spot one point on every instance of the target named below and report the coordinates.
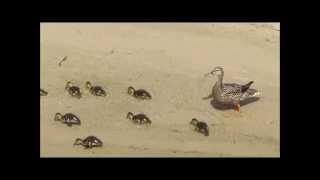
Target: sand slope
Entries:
(169, 60)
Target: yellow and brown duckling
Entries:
(95, 90)
(139, 94)
(74, 91)
(139, 118)
(200, 126)
(89, 142)
(68, 119)
(43, 92)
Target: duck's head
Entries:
(194, 121)
(88, 85)
(78, 141)
(58, 117)
(130, 115)
(216, 71)
(131, 90)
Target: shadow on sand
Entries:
(219, 106)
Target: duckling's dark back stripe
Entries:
(140, 116)
(93, 140)
(142, 92)
(73, 88)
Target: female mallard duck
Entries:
(43, 92)
(139, 118)
(200, 126)
(69, 119)
(95, 90)
(89, 142)
(230, 93)
(140, 93)
(74, 91)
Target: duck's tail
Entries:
(43, 92)
(244, 88)
(250, 93)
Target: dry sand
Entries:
(169, 60)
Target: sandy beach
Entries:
(169, 60)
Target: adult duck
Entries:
(230, 93)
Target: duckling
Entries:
(200, 126)
(139, 94)
(89, 142)
(43, 92)
(69, 119)
(74, 91)
(139, 118)
(95, 90)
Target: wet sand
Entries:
(169, 60)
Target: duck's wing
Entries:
(89, 138)
(96, 141)
(238, 90)
(202, 125)
(141, 116)
(142, 92)
(98, 90)
(146, 93)
(231, 90)
(74, 89)
(71, 118)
